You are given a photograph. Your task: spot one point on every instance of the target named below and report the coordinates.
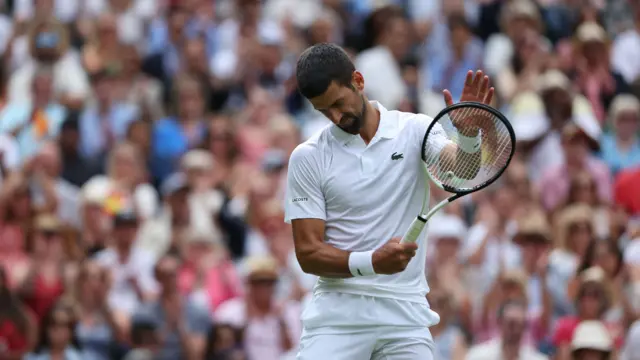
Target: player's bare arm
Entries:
(321, 259)
(472, 126)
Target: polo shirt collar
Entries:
(387, 128)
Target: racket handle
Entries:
(414, 230)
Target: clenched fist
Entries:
(393, 257)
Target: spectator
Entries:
(512, 321)
(185, 323)
(131, 269)
(105, 120)
(94, 329)
(271, 329)
(102, 51)
(554, 185)
(534, 239)
(76, 169)
(621, 148)
(18, 330)
(592, 303)
(391, 46)
(49, 46)
(450, 341)
(225, 342)
(207, 267)
(127, 176)
(57, 336)
(31, 122)
(139, 88)
(145, 341)
(626, 194)
(44, 282)
(626, 47)
(591, 340)
(631, 351)
(174, 136)
(593, 73)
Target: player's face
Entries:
(344, 105)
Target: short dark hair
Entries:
(321, 64)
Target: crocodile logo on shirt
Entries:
(396, 156)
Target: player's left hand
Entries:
(476, 89)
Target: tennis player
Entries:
(353, 190)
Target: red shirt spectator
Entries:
(627, 191)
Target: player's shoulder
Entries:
(311, 150)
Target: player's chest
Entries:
(364, 176)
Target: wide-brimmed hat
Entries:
(591, 32)
(48, 223)
(592, 335)
(596, 276)
(262, 268)
(533, 227)
(572, 214)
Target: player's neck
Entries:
(371, 123)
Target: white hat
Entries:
(591, 31)
(197, 159)
(96, 190)
(632, 253)
(553, 79)
(528, 117)
(592, 335)
(623, 103)
(448, 226)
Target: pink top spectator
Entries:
(554, 184)
(221, 284)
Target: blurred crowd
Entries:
(143, 156)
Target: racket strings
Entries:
(457, 169)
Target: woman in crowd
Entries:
(94, 329)
(592, 302)
(449, 339)
(128, 179)
(15, 221)
(57, 340)
(45, 280)
(18, 329)
(620, 147)
(573, 236)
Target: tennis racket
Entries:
(458, 171)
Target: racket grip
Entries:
(414, 230)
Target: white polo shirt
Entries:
(367, 194)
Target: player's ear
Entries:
(357, 80)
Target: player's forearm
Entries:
(325, 260)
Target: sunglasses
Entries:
(263, 282)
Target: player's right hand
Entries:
(393, 257)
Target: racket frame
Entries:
(418, 224)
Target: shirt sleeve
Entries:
(304, 197)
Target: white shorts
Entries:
(340, 326)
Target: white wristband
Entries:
(361, 263)
(470, 145)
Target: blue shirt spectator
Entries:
(616, 158)
(98, 131)
(31, 127)
(170, 141)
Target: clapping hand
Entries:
(476, 89)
